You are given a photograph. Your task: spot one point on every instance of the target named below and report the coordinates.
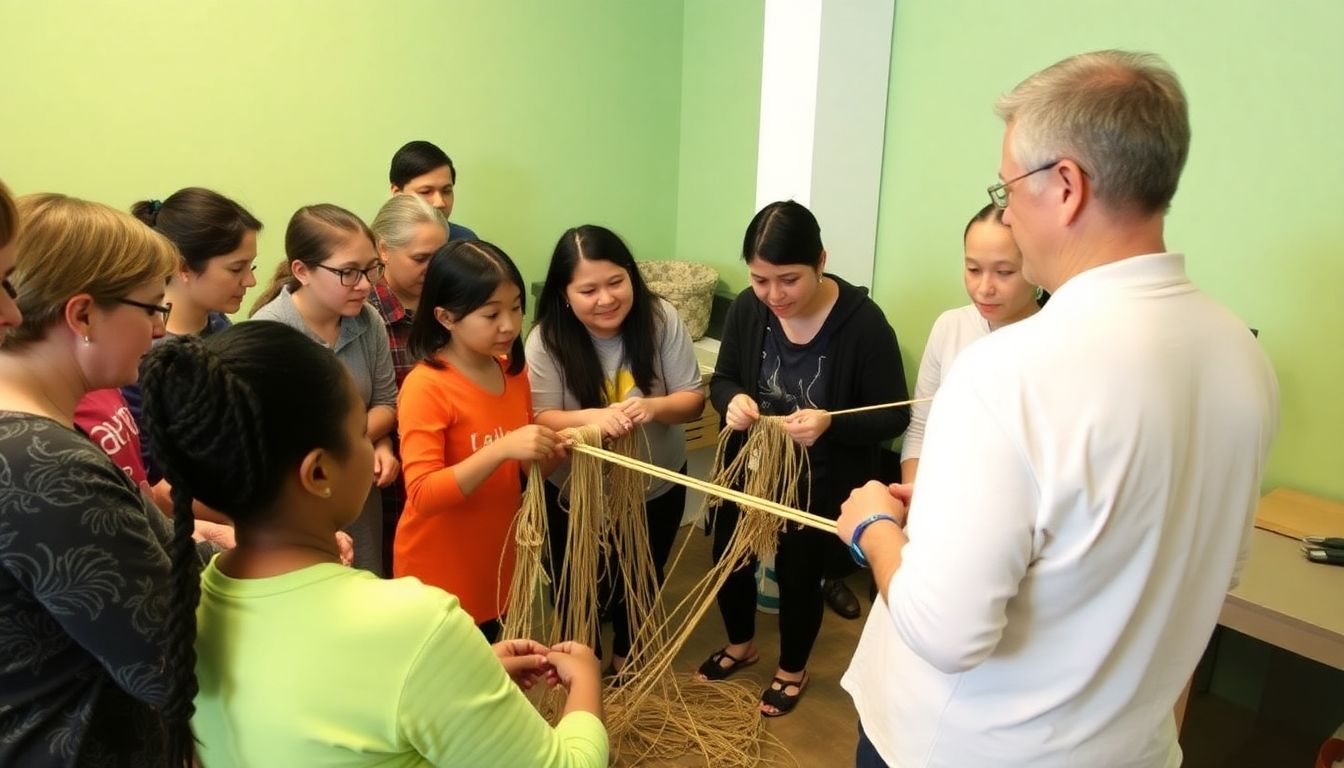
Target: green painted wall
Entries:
(720, 117)
(643, 116)
(555, 114)
(1258, 211)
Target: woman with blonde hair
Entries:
(84, 556)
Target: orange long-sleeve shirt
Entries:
(446, 538)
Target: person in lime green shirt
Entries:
(299, 660)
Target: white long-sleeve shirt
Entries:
(951, 333)
(1088, 482)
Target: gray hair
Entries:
(1122, 116)
(396, 221)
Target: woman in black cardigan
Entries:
(799, 343)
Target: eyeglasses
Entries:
(998, 193)
(165, 310)
(350, 275)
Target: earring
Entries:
(326, 493)
(86, 339)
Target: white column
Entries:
(823, 119)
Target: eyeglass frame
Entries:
(164, 309)
(1002, 186)
(340, 273)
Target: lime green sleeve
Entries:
(459, 707)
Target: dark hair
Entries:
(990, 211)
(200, 222)
(230, 416)
(565, 336)
(461, 277)
(416, 158)
(312, 232)
(783, 233)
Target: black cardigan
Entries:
(865, 369)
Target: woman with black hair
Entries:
(607, 351)
(799, 343)
(465, 419)
(291, 658)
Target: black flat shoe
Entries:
(840, 598)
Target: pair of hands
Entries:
(873, 498)
(534, 443)
(805, 426)
(621, 418)
(528, 662)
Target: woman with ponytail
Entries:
(216, 239)
(298, 660)
(321, 289)
(84, 567)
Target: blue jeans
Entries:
(866, 756)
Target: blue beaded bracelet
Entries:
(854, 550)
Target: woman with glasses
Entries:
(84, 563)
(331, 266)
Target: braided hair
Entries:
(230, 417)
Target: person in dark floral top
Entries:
(84, 563)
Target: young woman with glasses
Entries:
(320, 289)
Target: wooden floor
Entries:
(823, 730)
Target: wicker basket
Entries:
(688, 285)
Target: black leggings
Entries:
(799, 566)
(664, 518)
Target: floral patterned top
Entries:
(84, 590)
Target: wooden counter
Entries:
(1283, 598)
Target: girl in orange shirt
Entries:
(464, 417)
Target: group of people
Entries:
(183, 496)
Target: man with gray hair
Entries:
(1089, 475)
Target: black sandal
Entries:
(781, 701)
(712, 669)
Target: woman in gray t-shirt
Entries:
(607, 351)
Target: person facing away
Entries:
(283, 656)
(422, 169)
(1000, 295)
(1089, 474)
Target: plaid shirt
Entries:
(398, 321)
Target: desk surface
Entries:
(1286, 600)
